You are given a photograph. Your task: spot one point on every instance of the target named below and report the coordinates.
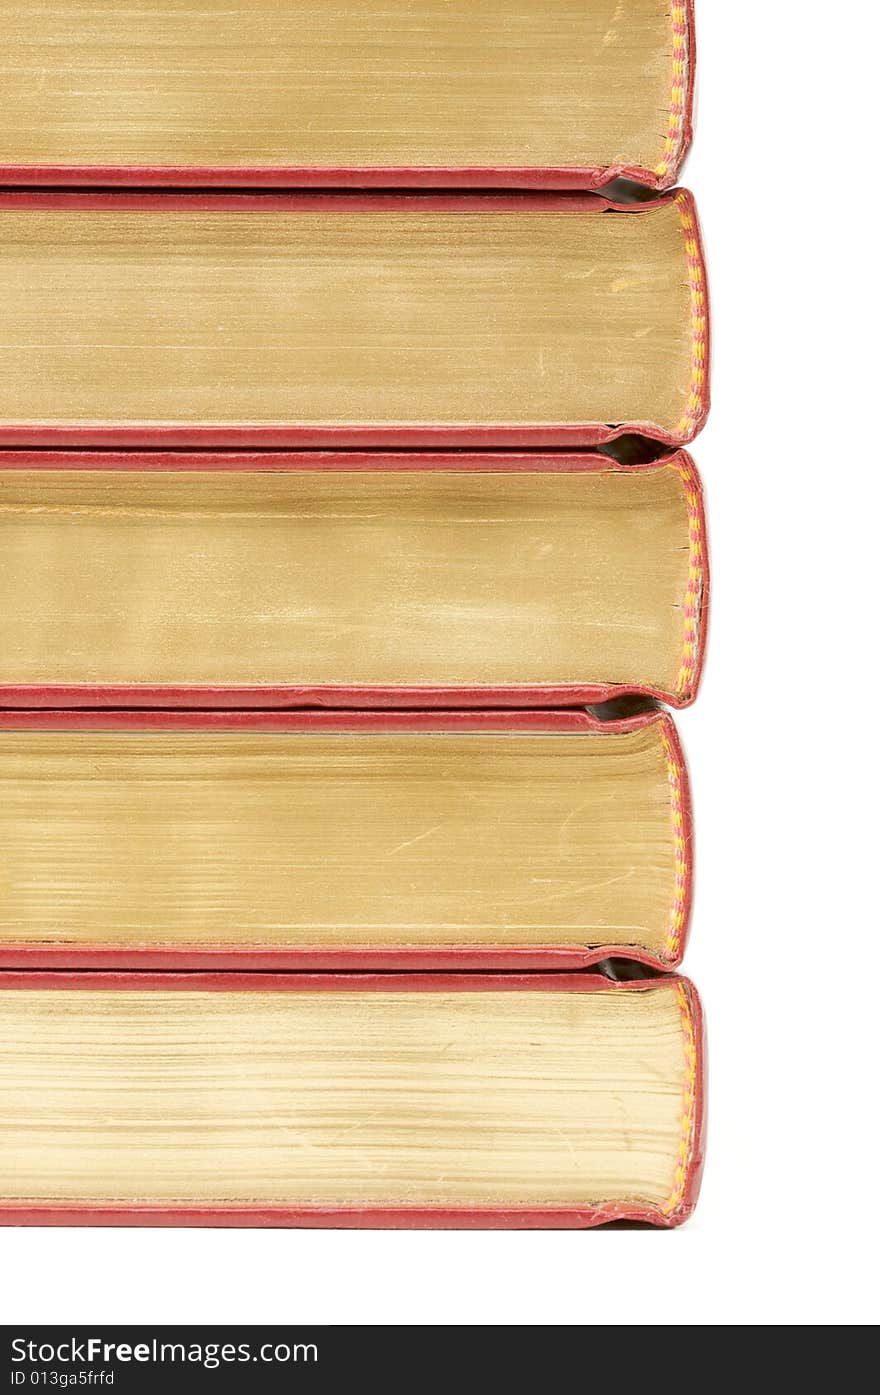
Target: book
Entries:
(322, 840)
(560, 94)
(333, 320)
(349, 579)
(348, 1100)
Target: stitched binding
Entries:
(697, 291)
(675, 123)
(672, 944)
(693, 597)
(689, 1105)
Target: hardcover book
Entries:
(349, 320)
(348, 580)
(346, 1100)
(555, 94)
(322, 840)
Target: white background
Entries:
(782, 748)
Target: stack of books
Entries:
(351, 555)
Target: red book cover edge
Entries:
(406, 958)
(587, 178)
(412, 436)
(86, 695)
(679, 1208)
